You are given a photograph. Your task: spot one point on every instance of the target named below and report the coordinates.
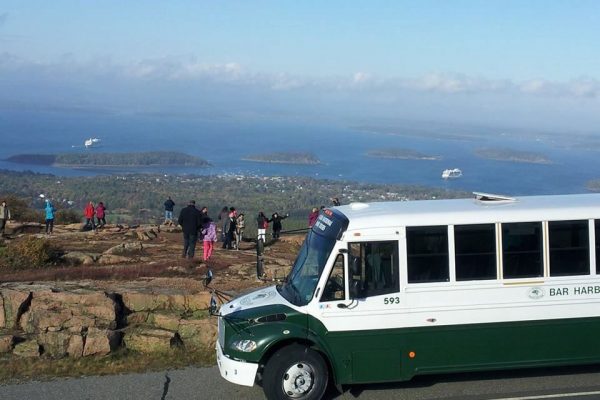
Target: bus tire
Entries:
(295, 372)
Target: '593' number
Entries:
(391, 300)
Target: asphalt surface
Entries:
(581, 383)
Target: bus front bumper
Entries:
(238, 372)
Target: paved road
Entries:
(581, 383)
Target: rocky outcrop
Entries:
(79, 320)
(148, 340)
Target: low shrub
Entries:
(27, 253)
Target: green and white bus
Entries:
(381, 292)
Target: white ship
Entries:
(91, 142)
(451, 173)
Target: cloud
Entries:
(575, 88)
(190, 70)
(361, 77)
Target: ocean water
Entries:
(341, 150)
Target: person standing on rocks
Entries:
(50, 211)
(88, 212)
(223, 217)
(4, 217)
(229, 228)
(190, 220)
(169, 204)
(101, 214)
(209, 237)
(262, 223)
(276, 220)
(239, 230)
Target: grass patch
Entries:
(16, 369)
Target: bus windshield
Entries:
(303, 279)
(307, 269)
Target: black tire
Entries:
(304, 362)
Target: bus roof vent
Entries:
(358, 206)
(493, 198)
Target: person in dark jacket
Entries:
(276, 220)
(169, 204)
(223, 217)
(190, 220)
(229, 229)
(262, 223)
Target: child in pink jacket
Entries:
(209, 233)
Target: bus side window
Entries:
(335, 288)
(374, 268)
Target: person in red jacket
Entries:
(101, 214)
(89, 212)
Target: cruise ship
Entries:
(451, 173)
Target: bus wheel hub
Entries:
(298, 380)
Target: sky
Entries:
(528, 64)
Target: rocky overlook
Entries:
(121, 289)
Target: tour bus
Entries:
(381, 292)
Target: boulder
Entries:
(6, 343)
(55, 344)
(170, 228)
(136, 301)
(126, 248)
(198, 332)
(111, 259)
(72, 311)
(14, 301)
(78, 257)
(98, 342)
(16, 228)
(27, 349)
(164, 321)
(137, 318)
(146, 340)
(75, 346)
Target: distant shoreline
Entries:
(284, 158)
(110, 160)
(511, 155)
(401, 154)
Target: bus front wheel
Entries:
(295, 372)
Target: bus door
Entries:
(360, 306)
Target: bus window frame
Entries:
(340, 247)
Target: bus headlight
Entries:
(245, 346)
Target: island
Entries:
(284, 158)
(104, 160)
(504, 154)
(401, 154)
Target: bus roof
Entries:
(478, 210)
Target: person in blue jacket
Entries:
(50, 210)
